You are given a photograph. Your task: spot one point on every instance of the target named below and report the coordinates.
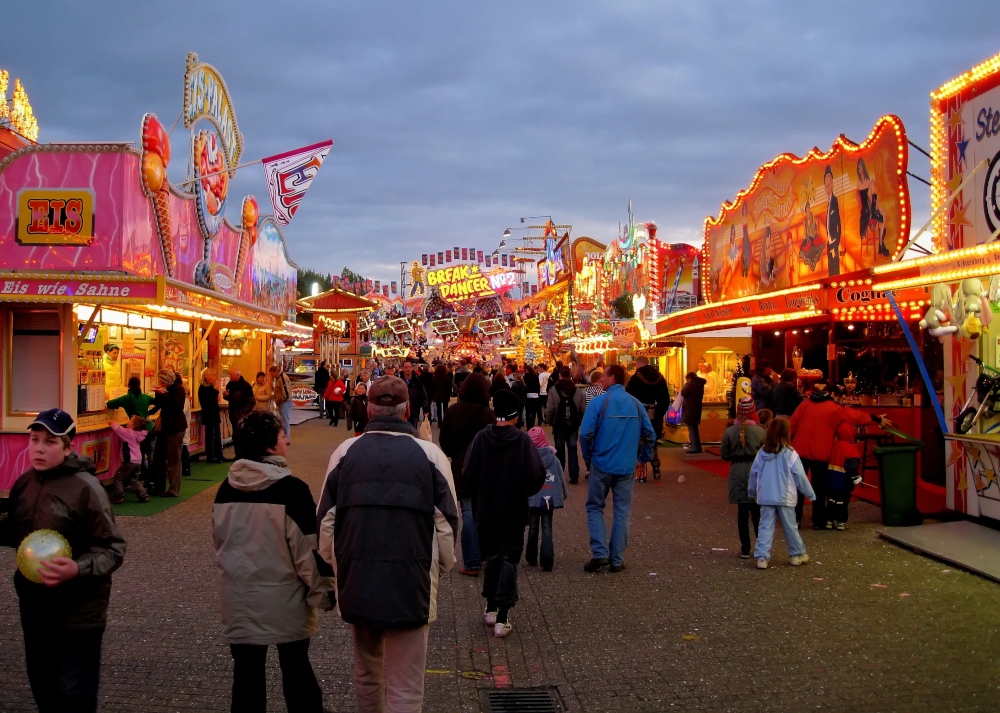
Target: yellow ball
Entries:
(40, 546)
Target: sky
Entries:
(452, 120)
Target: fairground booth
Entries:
(336, 314)
(792, 257)
(962, 279)
(111, 271)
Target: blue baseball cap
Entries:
(55, 421)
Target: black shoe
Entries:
(595, 564)
(575, 482)
(530, 563)
(547, 569)
(616, 567)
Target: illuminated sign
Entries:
(77, 287)
(206, 97)
(461, 282)
(492, 327)
(805, 219)
(444, 326)
(55, 217)
(502, 280)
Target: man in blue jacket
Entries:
(615, 433)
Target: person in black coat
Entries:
(418, 394)
(322, 379)
(532, 397)
(786, 396)
(211, 419)
(462, 421)
(172, 425)
(502, 470)
(693, 393)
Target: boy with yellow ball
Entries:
(64, 616)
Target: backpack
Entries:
(567, 415)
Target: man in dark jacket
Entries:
(786, 396)
(418, 394)
(502, 470)
(648, 385)
(762, 387)
(462, 422)
(693, 393)
(387, 522)
(564, 410)
(532, 399)
(322, 379)
(239, 395)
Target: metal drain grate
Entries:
(513, 700)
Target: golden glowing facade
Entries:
(16, 114)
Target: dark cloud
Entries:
(452, 119)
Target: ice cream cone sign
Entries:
(248, 233)
(153, 175)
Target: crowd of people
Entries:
(394, 505)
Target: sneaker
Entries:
(840, 526)
(489, 618)
(829, 524)
(470, 572)
(761, 563)
(744, 555)
(798, 559)
(616, 567)
(502, 628)
(595, 564)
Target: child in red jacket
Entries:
(842, 475)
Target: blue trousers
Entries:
(470, 537)
(765, 535)
(597, 494)
(286, 417)
(566, 452)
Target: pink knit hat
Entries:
(538, 437)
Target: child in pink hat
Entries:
(542, 504)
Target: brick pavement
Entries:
(685, 627)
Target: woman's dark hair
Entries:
(691, 375)
(475, 388)
(778, 435)
(135, 384)
(258, 432)
(788, 376)
(440, 370)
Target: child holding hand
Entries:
(776, 479)
(127, 474)
(842, 474)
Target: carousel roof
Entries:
(336, 301)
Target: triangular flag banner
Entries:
(288, 176)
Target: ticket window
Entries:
(109, 356)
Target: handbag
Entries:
(424, 430)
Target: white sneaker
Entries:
(761, 563)
(798, 559)
(501, 629)
(489, 618)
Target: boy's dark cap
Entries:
(506, 404)
(388, 391)
(55, 421)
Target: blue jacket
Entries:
(553, 493)
(616, 432)
(778, 478)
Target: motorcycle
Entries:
(987, 391)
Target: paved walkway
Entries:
(687, 626)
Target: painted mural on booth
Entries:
(805, 219)
(274, 277)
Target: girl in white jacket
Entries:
(776, 478)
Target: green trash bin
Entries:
(897, 466)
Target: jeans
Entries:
(765, 535)
(64, 667)
(694, 438)
(543, 400)
(470, 537)
(817, 474)
(745, 514)
(501, 554)
(286, 417)
(333, 411)
(298, 682)
(213, 443)
(597, 493)
(540, 518)
(566, 448)
(439, 408)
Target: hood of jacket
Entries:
(818, 397)
(250, 475)
(499, 435)
(566, 387)
(74, 463)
